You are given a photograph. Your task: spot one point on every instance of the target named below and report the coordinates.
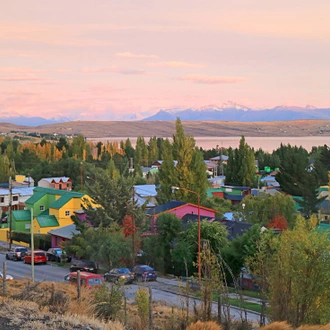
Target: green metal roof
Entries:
(22, 215)
(35, 197)
(47, 221)
(46, 212)
(234, 192)
(52, 191)
(61, 201)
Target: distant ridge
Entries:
(234, 112)
(32, 121)
(126, 129)
(229, 111)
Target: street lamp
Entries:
(90, 178)
(243, 206)
(199, 227)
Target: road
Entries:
(163, 290)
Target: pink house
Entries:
(182, 210)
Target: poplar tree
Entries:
(184, 167)
(241, 165)
(153, 150)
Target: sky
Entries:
(108, 59)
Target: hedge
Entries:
(41, 241)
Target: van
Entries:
(87, 279)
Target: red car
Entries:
(39, 257)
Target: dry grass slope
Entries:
(124, 129)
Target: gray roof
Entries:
(22, 191)
(145, 190)
(65, 232)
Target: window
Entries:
(67, 213)
(41, 208)
(15, 198)
(27, 226)
(2, 199)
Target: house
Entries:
(145, 193)
(158, 163)
(61, 183)
(51, 208)
(270, 182)
(236, 228)
(324, 211)
(19, 196)
(23, 181)
(180, 209)
(217, 181)
(234, 194)
(62, 235)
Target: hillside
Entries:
(102, 129)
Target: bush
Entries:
(41, 241)
(142, 301)
(109, 301)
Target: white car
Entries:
(8, 277)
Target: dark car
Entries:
(119, 274)
(57, 254)
(144, 273)
(17, 253)
(85, 266)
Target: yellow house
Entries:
(52, 209)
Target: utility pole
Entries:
(133, 223)
(81, 177)
(10, 210)
(32, 245)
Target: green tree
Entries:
(153, 150)
(112, 196)
(298, 275)
(265, 207)
(213, 234)
(217, 203)
(188, 171)
(168, 227)
(294, 164)
(240, 168)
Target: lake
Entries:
(265, 143)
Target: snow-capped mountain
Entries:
(231, 111)
(33, 121)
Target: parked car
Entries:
(39, 257)
(144, 273)
(16, 253)
(58, 255)
(8, 277)
(119, 274)
(85, 266)
(86, 279)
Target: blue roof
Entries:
(165, 207)
(233, 197)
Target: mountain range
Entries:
(229, 111)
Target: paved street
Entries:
(163, 290)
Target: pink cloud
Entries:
(113, 70)
(209, 79)
(19, 74)
(139, 56)
(175, 64)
